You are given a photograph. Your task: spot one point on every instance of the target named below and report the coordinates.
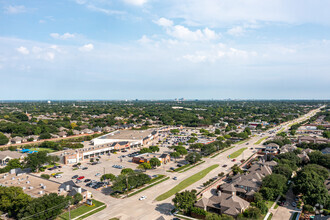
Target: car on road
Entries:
(233, 160)
(251, 148)
(247, 143)
(142, 197)
(80, 177)
(175, 178)
(172, 168)
(75, 177)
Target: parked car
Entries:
(80, 178)
(142, 197)
(58, 176)
(84, 168)
(224, 165)
(87, 180)
(98, 174)
(233, 160)
(172, 168)
(75, 177)
(175, 178)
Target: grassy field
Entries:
(237, 153)
(81, 210)
(260, 140)
(187, 182)
(42, 149)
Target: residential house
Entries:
(223, 203)
(72, 189)
(62, 134)
(17, 140)
(7, 155)
(287, 148)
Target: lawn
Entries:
(237, 153)
(269, 204)
(260, 140)
(187, 182)
(42, 149)
(81, 210)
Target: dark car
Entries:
(75, 177)
(225, 165)
(87, 180)
(85, 168)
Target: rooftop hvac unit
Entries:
(12, 178)
(44, 187)
(30, 187)
(23, 187)
(41, 184)
(41, 192)
(28, 182)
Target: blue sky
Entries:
(156, 49)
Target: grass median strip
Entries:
(191, 167)
(187, 182)
(260, 140)
(147, 187)
(238, 152)
(91, 213)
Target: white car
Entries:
(142, 197)
(98, 174)
(58, 176)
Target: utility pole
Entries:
(69, 210)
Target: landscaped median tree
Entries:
(193, 157)
(126, 171)
(184, 200)
(154, 162)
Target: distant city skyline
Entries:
(153, 49)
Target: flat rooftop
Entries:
(128, 134)
(32, 185)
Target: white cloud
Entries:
(23, 50)
(236, 31)
(49, 56)
(219, 52)
(144, 40)
(221, 13)
(63, 36)
(104, 10)
(15, 9)
(86, 48)
(164, 22)
(136, 2)
(183, 33)
(36, 49)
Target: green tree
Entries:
(144, 166)
(108, 176)
(154, 149)
(175, 155)
(13, 199)
(154, 162)
(77, 198)
(3, 139)
(126, 171)
(36, 160)
(252, 213)
(217, 131)
(184, 200)
(276, 183)
(193, 157)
